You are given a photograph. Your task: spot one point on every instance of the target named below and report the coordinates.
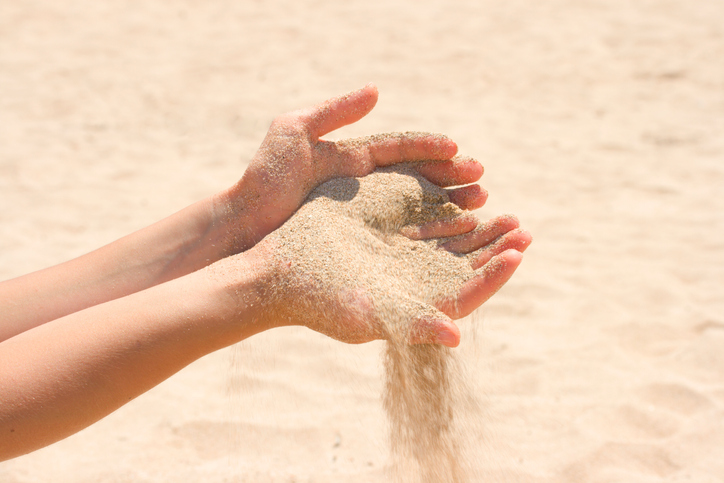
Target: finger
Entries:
(391, 148)
(459, 170)
(438, 329)
(340, 111)
(441, 228)
(480, 288)
(517, 240)
(482, 235)
(469, 197)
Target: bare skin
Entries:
(233, 220)
(80, 339)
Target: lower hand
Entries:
(387, 256)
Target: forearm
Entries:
(60, 377)
(173, 247)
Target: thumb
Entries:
(435, 329)
(341, 111)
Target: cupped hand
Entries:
(293, 160)
(387, 256)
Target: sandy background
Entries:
(600, 123)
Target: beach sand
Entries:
(599, 124)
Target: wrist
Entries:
(253, 209)
(241, 286)
(236, 214)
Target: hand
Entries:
(293, 160)
(387, 256)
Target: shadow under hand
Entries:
(337, 189)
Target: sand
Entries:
(599, 125)
(346, 244)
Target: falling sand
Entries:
(346, 240)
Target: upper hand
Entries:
(293, 160)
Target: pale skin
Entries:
(81, 339)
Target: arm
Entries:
(67, 374)
(63, 376)
(290, 163)
(173, 247)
